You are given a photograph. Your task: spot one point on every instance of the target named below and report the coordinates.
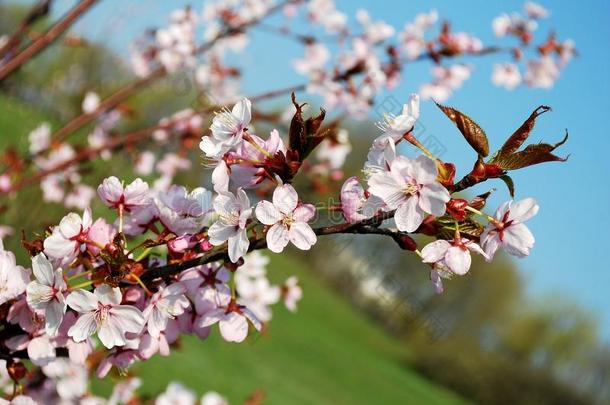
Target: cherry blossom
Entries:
(506, 75)
(13, 278)
(454, 254)
(128, 198)
(183, 212)
(91, 102)
(64, 243)
(232, 321)
(288, 220)
(355, 204)
(508, 230)
(234, 212)
(46, 293)
(40, 138)
(102, 312)
(291, 293)
(176, 394)
(227, 129)
(167, 303)
(411, 188)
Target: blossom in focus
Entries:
(288, 220)
(13, 278)
(45, 294)
(227, 129)
(183, 212)
(167, 303)
(355, 204)
(410, 187)
(232, 321)
(114, 195)
(509, 231)
(454, 255)
(65, 241)
(234, 212)
(102, 312)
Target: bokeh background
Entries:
(369, 329)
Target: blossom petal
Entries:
(43, 270)
(435, 251)
(110, 334)
(267, 213)
(304, 213)
(285, 198)
(84, 327)
(238, 245)
(409, 216)
(302, 236)
(433, 198)
(233, 327)
(523, 210)
(128, 317)
(277, 238)
(82, 301)
(458, 260)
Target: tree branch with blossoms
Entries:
(176, 262)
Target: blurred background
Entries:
(369, 329)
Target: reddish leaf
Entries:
(514, 142)
(473, 133)
(531, 155)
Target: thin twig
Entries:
(45, 39)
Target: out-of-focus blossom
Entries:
(506, 75)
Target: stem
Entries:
(79, 275)
(46, 39)
(476, 211)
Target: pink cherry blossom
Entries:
(227, 129)
(46, 293)
(183, 212)
(410, 187)
(454, 255)
(64, 243)
(234, 212)
(13, 278)
(288, 220)
(101, 234)
(508, 231)
(167, 303)
(176, 394)
(40, 138)
(114, 195)
(232, 321)
(291, 293)
(102, 312)
(506, 75)
(354, 202)
(258, 295)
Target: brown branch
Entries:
(39, 10)
(365, 227)
(126, 139)
(46, 39)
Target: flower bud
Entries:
(407, 243)
(456, 207)
(16, 370)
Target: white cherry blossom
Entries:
(410, 187)
(288, 220)
(45, 294)
(102, 312)
(234, 212)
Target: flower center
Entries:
(101, 313)
(287, 221)
(231, 218)
(412, 188)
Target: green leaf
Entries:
(510, 184)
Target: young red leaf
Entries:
(473, 133)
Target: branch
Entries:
(44, 40)
(38, 11)
(365, 227)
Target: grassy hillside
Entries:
(325, 354)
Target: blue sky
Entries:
(572, 228)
